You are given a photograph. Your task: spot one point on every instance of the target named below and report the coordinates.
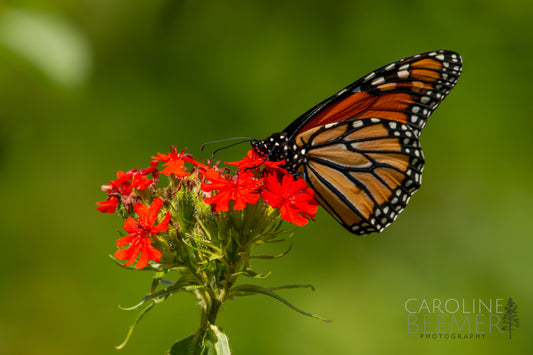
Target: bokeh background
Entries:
(91, 87)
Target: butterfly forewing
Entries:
(406, 91)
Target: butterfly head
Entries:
(280, 147)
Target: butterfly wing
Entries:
(405, 91)
(364, 159)
(363, 171)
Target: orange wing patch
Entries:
(334, 203)
(427, 75)
(428, 63)
(337, 154)
(329, 135)
(385, 144)
(379, 192)
(374, 131)
(357, 199)
(391, 106)
(391, 177)
(342, 110)
(415, 86)
(399, 161)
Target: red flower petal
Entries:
(131, 225)
(163, 226)
(147, 253)
(126, 240)
(289, 214)
(142, 211)
(108, 206)
(153, 211)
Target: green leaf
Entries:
(252, 274)
(272, 256)
(216, 342)
(162, 295)
(183, 347)
(246, 290)
(132, 327)
(165, 282)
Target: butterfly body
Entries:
(359, 149)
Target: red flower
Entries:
(174, 162)
(241, 188)
(140, 232)
(122, 188)
(108, 206)
(140, 181)
(294, 198)
(121, 185)
(152, 169)
(255, 160)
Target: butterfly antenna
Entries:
(245, 139)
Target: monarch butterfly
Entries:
(359, 149)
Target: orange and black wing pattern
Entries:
(406, 91)
(363, 171)
(362, 152)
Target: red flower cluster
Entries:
(241, 188)
(294, 198)
(256, 178)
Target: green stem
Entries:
(198, 342)
(213, 311)
(210, 305)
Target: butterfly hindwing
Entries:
(363, 171)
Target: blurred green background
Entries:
(91, 87)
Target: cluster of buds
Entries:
(203, 220)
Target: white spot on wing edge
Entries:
(404, 74)
(378, 81)
(369, 76)
(342, 91)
